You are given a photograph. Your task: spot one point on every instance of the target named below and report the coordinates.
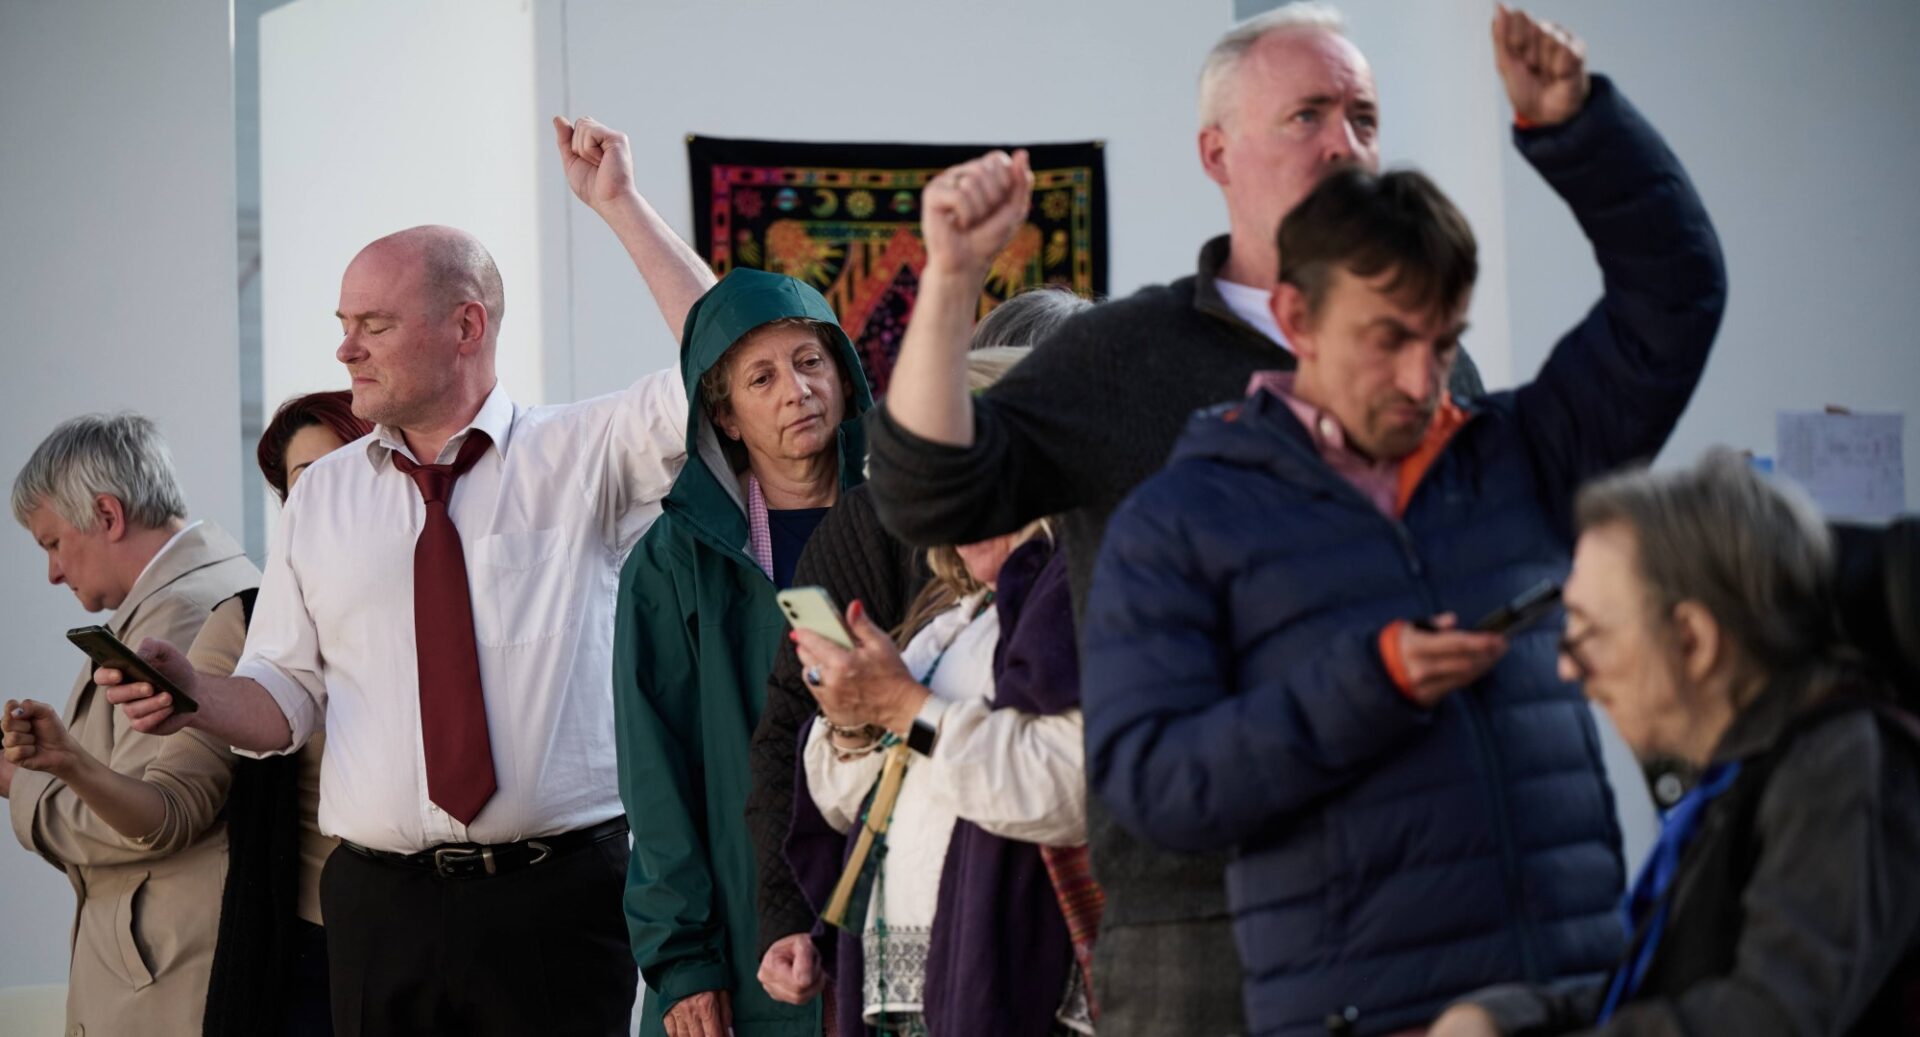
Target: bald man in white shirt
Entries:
(470, 770)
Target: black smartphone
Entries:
(107, 651)
(1530, 607)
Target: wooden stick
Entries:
(892, 772)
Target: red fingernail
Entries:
(858, 609)
(794, 636)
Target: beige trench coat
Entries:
(147, 919)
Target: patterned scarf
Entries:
(759, 528)
(1082, 901)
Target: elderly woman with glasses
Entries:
(1783, 895)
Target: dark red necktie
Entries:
(453, 713)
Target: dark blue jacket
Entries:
(1391, 858)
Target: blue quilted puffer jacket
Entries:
(1388, 858)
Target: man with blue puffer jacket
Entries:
(1272, 658)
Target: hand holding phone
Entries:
(109, 653)
(1438, 659)
(1529, 607)
(812, 608)
(1525, 609)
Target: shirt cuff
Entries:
(1396, 664)
(294, 700)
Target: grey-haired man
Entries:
(100, 497)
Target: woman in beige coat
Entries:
(99, 495)
(179, 802)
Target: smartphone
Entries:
(812, 608)
(107, 651)
(1530, 607)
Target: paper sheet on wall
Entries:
(1850, 463)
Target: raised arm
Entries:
(1615, 385)
(945, 469)
(599, 167)
(970, 212)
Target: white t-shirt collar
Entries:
(1251, 304)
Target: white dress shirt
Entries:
(546, 516)
(1253, 305)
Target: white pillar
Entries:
(117, 281)
(375, 117)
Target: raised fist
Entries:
(598, 160)
(970, 212)
(1543, 66)
(35, 738)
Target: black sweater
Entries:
(1070, 432)
(853, 558)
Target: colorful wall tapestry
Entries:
(845, 218)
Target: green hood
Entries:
(707, 495)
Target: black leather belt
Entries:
(474, 860)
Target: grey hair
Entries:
(1027, 319)
(1754, 552)
(989, 364)
(120, 455)
(1225, 57)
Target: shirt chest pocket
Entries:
(521, 587)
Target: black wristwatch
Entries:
(921, 736)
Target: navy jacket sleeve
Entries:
(1187, 752)
(1615, 385)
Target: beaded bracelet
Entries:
(847, 754)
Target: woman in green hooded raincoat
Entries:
(773, 433)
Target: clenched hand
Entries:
(1543, 65)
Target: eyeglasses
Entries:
(1570, 650)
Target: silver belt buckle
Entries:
(445, 858)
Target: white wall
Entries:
(117, 282)
(375, 117)
(1797, 123)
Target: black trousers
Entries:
(308, 1011)
(539, 951)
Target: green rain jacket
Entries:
(694, 640)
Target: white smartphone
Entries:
(812, 608)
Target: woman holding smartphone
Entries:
(962, 932)
(270, 963)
